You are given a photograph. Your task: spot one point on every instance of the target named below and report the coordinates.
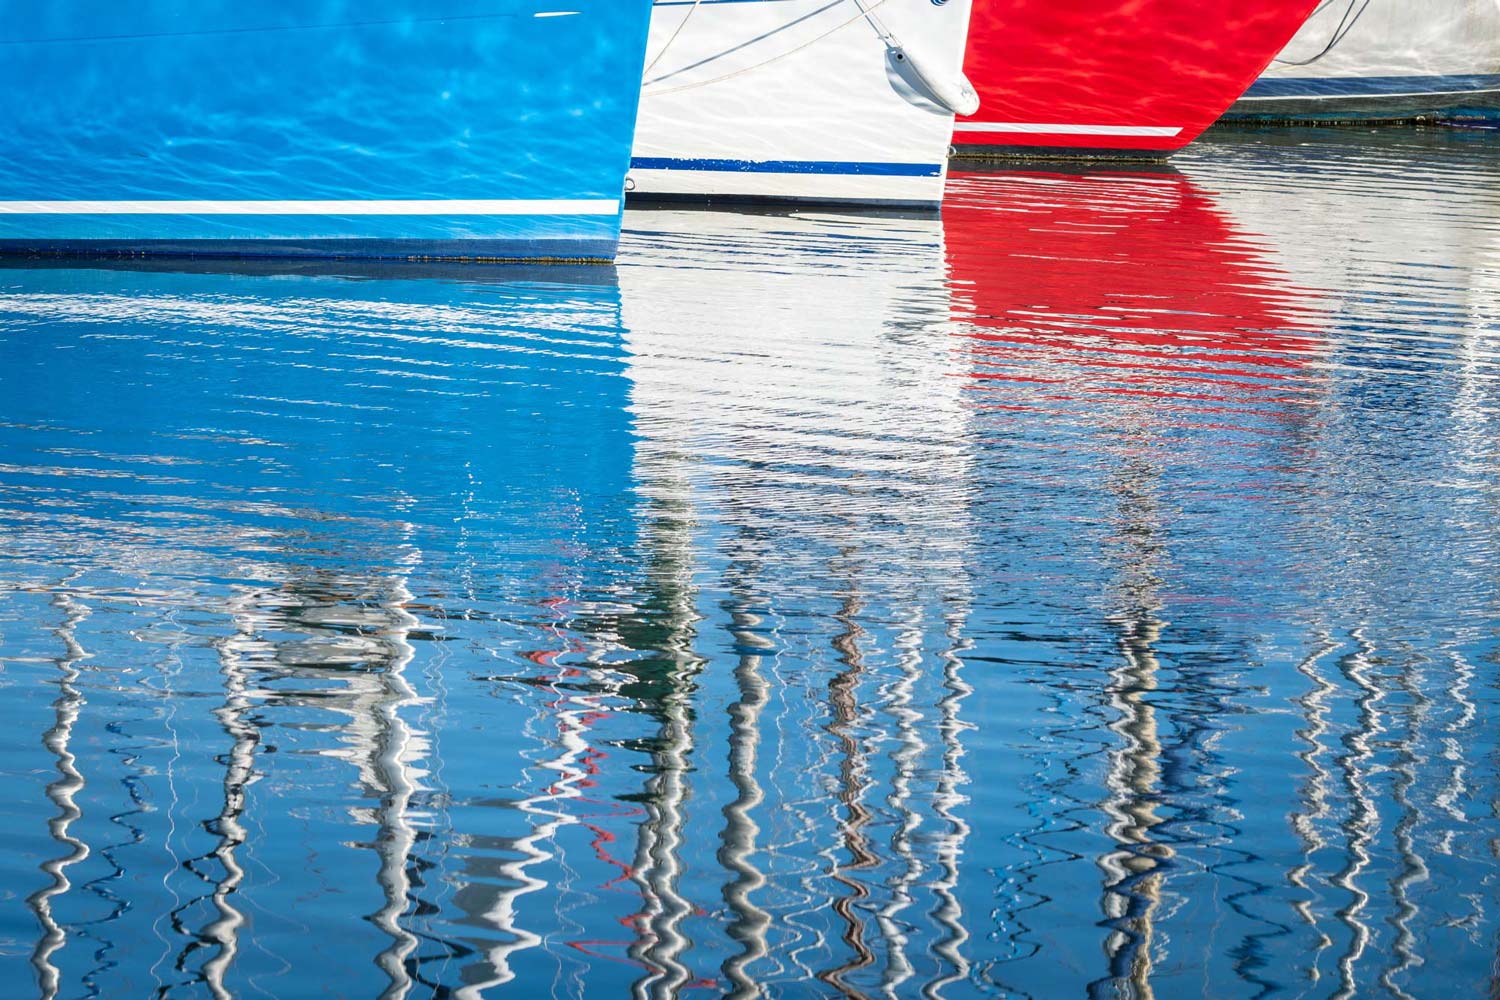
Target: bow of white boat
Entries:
(801, 100)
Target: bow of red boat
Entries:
(1100, 77)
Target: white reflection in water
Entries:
(763, 443)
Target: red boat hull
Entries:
(1091, 77)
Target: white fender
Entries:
(955, 93)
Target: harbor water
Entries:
(1092, 592)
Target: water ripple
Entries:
(1091, 591)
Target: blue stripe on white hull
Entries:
(1457, 98)
(474, 128)
(1374, 86)
(823, 167)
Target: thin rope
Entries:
(747, 43)
(875, 23)
(863, 15)
(686, 18)
(1345, 25)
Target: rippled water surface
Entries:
(1095, 592)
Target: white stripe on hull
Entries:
(1041, 128)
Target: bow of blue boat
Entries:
(495, 129)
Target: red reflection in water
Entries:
(1136, 283)
(1153, 64)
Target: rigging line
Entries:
(683, 24)
(1333, 37)
(1345, 25)
(1320, 8)
(746, 44)
(1343, 20)
(879, 27)
(864, 14)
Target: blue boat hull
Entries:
(323, 128)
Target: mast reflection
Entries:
(62, 791)
(1135, 871)
(340, 643)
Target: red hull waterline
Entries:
(1106, 77)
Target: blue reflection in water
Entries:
(1092, 593)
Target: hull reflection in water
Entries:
(280, 764)
(1123, 283)
(1090, 593)
(808, 499)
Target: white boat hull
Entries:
(796, 100)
